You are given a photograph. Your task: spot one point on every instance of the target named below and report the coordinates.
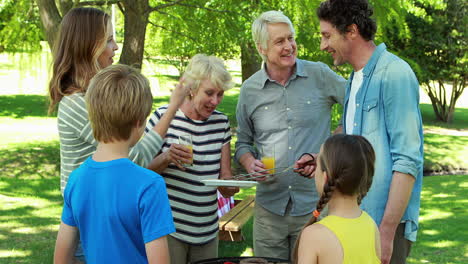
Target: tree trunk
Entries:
(136, 18)
(250, 60)
(50, 18)
(65, 6)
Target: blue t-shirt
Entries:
(117, 206)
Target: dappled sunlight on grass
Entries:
(29, 223)
(441, 244)
(14, 253)
(243, 192)
(28, 129)
(31, 203)
(20, 106)
(433, 214)
(25, 230)
(248, 252)
(32, 160)
(442, 237)
(460, 119)
(443, 152)
(443, 195)
(430, 232)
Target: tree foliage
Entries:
(223, 28)
(179, 29)
(437, 49)
(20, 27)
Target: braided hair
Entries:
(348, 161)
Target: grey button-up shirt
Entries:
(295, 118)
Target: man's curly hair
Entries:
(343, 13)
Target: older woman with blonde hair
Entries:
(194, 206)
(84, 46)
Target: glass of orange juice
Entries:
(186, 141)
(268, 158)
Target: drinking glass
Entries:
(268, 158)
(186, 141)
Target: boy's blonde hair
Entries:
(118, 97)
(203, 67)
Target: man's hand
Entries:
(398, 197)
(306, 165)
(257, 166)
(253, 165)
(386, 243)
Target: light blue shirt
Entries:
(388, 115)
(294, 118)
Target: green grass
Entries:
(442, 237)
(445, 152)
(460, 119)
(30, 200)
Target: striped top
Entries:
(77, 142)
(194, 206)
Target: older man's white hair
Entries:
(260, 31)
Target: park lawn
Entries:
(30, 200)
(30, 206)
(22, 114)
(442, 237)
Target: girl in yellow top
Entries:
(345, 166)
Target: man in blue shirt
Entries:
(381, 104)
(121, 210)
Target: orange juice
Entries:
(269, 163)
(190, 147)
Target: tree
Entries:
(181, 28)
(136, 13)
(437, 50)
(19, 26)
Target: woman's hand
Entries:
(181, 90)
(228, 191)
(178, 154)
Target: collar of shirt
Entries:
(369, 68)
(299, 71)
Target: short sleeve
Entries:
(67, 213)
(153, 120)
(155, 212)
(227, 132)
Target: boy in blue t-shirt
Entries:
(121, 210)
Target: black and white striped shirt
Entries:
(194, 206)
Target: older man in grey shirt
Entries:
(287, 104)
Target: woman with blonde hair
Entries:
(85, 44)
(194, 206)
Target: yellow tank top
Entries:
(356, 236)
